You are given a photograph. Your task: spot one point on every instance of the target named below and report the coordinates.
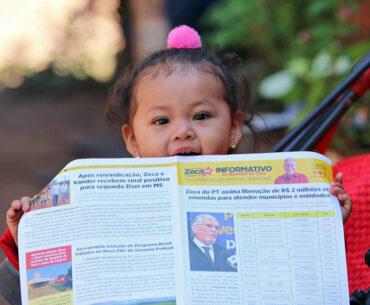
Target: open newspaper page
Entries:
(104, 231)
(238, 229)
(275, 232)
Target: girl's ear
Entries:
(236, 127)
(129, 137)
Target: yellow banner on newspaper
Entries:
(287, 214)
(280, 171)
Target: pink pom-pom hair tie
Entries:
(183, 37)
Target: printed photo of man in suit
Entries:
(205, 254)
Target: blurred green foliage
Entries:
(293, 50)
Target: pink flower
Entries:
(345, 12)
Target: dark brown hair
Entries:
(121, 104)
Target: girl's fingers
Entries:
(15, 209)
(345, 201)
(16, 205)
(10, 213)
(14, 214)
(338, 182)
(25, 201)
(336, 191)
(339, 178)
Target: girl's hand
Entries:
(14, 214)
(336, 189)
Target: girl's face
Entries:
(181, 113)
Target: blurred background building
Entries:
(58, 58)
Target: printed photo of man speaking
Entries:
(207, 251)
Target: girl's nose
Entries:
(183, 130)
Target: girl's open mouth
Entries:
(187, 153)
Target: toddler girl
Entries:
(179, 101)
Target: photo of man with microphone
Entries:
(205, 251)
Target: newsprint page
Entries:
(235, 229)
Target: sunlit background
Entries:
(59, 57)
(81, 38)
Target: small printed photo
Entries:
(291, 175)
(212, 244)
(50, 280)
(56, 193)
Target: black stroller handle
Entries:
(308, 133)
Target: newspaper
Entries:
(235, 229)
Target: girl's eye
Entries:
(201, 116)
(161, 121)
